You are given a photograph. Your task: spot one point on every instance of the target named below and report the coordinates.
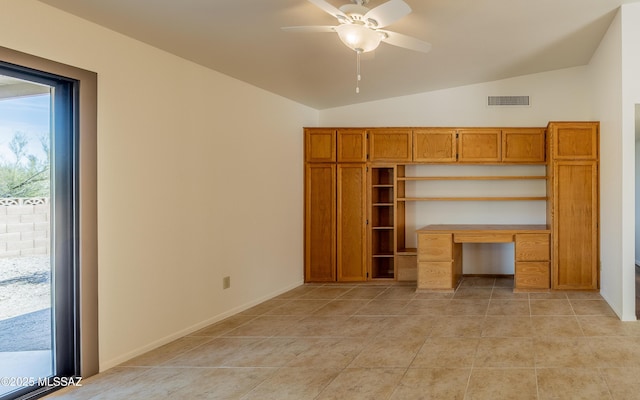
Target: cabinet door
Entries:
(352, 234)
(319, 145)
(390, 145)
(320, 223)
(574, 140)
(434, 145)
(575, 225)
(352, 145)
(524, 145)
(479, 145)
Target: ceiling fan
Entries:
(359, 26)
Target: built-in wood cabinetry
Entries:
(335, 206)
(573, 204)
(355, 201)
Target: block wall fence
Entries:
(24, 227)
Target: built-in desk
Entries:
(440, 253)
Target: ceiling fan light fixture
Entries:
(358, 37)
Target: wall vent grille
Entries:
(508, 100)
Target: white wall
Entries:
(187, 158)
(637, 205)
(556, 95)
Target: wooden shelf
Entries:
(471, 178)
(407, 252)
(382, 227)
(382, 204)
(382, 186)
(384, 255)
(508, 198)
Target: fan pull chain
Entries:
(358, 77)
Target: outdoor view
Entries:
(25, 271)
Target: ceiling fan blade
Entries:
(304, 29)
(407, 42)
(329, 9)
(387, 13)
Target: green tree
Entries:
(28, 175)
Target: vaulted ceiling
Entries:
(473, 41)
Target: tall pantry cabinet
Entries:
(572, 209)
(335, 205)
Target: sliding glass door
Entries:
(38, 231)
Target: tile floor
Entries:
(354, 342)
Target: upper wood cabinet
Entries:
(523, 145)
(319, 145)
(390, 145)
(481, 145)
(352, 145)
(436, 145)
(574, 140)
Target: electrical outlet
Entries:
(226, 282)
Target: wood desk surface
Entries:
(483, 228)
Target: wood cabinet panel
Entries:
(320, 223)
(524, 145)
(532, 275)
(434, 145)
(352, 145)
(435, 247)
(575, 224)
(574, 140)
(435, 275)
(319, 145)
(479, 145)
(351, 223)
(390, 145)
(532, 247)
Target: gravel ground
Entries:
(24, 285)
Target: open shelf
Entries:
(505, 198)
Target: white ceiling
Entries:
(473, 41)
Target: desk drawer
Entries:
(483, 237)
(435, 275)
(532, 275)
(435, 247)
(532, 247)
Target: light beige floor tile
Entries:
(388, 353)
(569, 352)
(363, 293)
(168, 351)
(616, 351)
(608, 326)
(293, 384)
(503, 352)
(266, 325)
(264, 307)
(433, 295)
(556, 326)
(483, 293)
(224, 326)
(504, 283)
(335, 353)
(548, 295)
(383, 307)
(508, 307)
(326, 293)
(467, 307)
(477, 281)
(298, 292)
(591, 307)
(341, 307)
(623, 382)
(363, 384)
(551, 307)
(105, 382)
(432, 384)
(298, 307)
(213, 353)
(316, 325)
(362, 326)
(507, 293)
(220, 383)
(507, 326)
(584, 295)
(399, 293)
(426, 307)
(269, 352)
(502, 384)
(408, 326)
(458, 326)
(571, 383)
(441, 352)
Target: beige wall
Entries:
(172, 134)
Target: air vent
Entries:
(508, 100)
